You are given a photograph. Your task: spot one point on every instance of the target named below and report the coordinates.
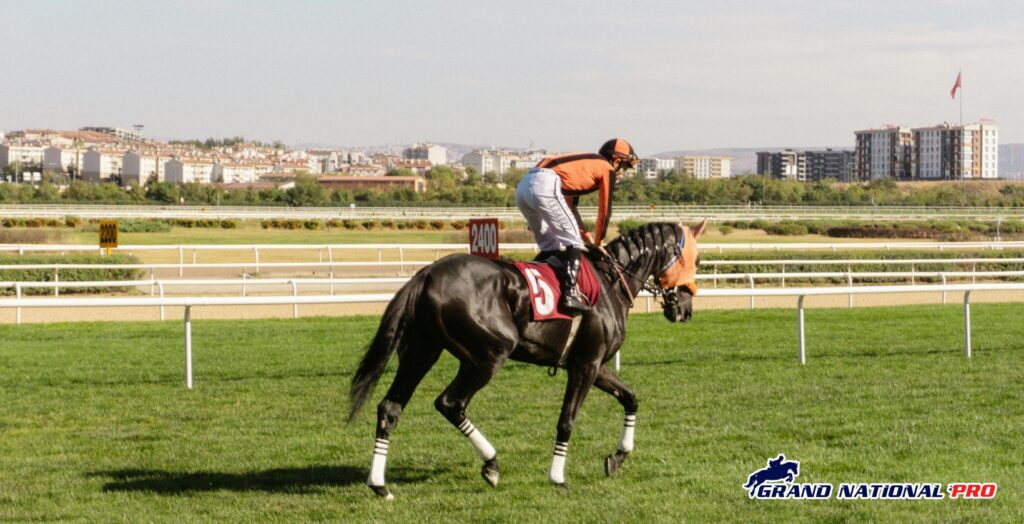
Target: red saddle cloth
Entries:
(545, 290)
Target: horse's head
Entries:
(678, 278)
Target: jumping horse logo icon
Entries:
(778, 470)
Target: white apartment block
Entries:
(229, 173)
(20, 154)
(177, 171)
(437, 155)
(140, 166)
(63, 159)
(650, 168)
(953, 152)
(102, 164)
(706, 167)
(501, 162)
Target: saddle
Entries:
(546, 291)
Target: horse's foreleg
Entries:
(580, 380)
(609, 383)
(452, 404)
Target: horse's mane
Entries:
(647, 243)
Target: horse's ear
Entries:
(700, 228)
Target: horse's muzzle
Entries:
(678, 304)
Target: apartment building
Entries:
(955, 152)
(140, 166)
(20, 154)
(179, 171)
(884, 153)
(830, 164)
(651, 167)
(500, 162)
(100, 165)
(435, 154)
(706, 167)
(788, 164)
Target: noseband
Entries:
(669, 297)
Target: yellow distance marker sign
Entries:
(108, 233)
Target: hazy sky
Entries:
(566, 75)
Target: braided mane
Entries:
(645, 249)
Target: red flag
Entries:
(952, 93)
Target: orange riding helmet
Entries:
(619, 149)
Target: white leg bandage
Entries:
(483, 448)
(557, 473)
(628, 428)
(380, 459)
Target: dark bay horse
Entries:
(479, 311)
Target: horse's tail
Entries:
(389, 338)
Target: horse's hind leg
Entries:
(609, 383)
(452, 404)
(413, 365)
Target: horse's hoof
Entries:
(382, 491)
(489, 472)
(613, 462)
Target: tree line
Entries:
(446, 187)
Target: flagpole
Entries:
(961, 72)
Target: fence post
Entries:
(181, 261)
(257, 251)
(974, 270)
(849, 282)
(714, 279)
(17, 310)
(160, 286)
(800, 329)
(56, 281)
(751, 278)
(967, 323)
(295, 293)
(783, 275)
(243, 283)
(943, 275)
(188, 347)
(401, 258)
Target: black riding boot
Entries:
(572, 299)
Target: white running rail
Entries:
(801, 293)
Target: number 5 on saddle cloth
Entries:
(545, 290)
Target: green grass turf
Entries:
(96, 425)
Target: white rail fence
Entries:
(329, 249)
(507, 213)
(158, 287)
(801, 293)
(401, 265)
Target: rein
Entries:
(647, 285)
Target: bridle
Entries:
(668, 297)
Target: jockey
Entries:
(548, 196)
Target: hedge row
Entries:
(368, 225)
(67, 275)
(929, 229)
(994, 262)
